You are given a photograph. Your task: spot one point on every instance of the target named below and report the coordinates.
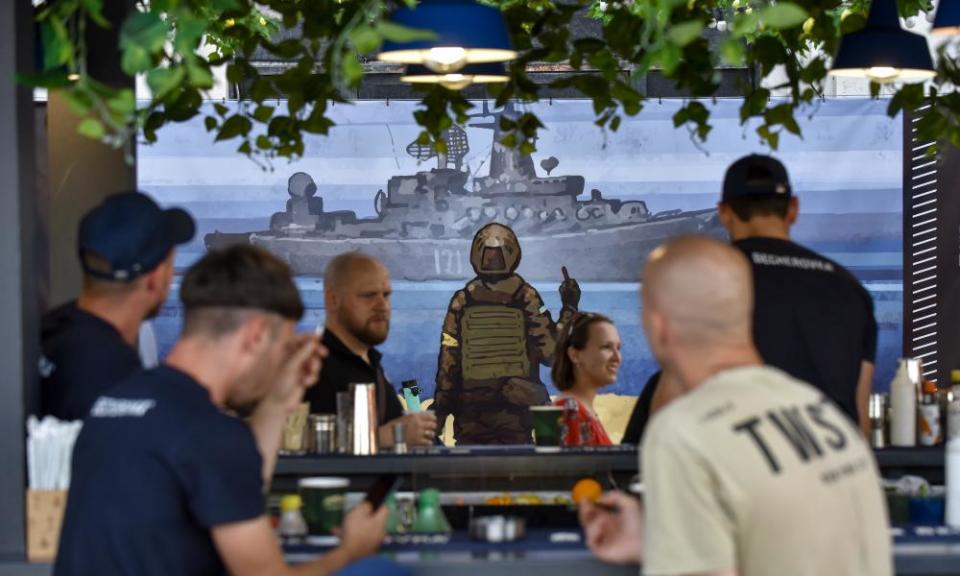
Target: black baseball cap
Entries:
(128, 235)
(756, 175)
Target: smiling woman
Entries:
(587, 359)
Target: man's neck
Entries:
(761, 227)
(352, 343)
(119, 313)
(696, 366)
(201, 361)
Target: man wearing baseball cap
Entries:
(126, 246)
(812, 318)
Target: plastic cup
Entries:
(546, 424)
(323, 503)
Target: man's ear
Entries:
(254, 334)
(726, 215)
(793, 210)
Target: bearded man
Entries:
(356, 290)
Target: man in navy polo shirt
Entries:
(126, 247)
(167, 479)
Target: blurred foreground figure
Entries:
(749, 471)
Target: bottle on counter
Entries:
(903, 403)
(952, 477)
(953, 406)
(292, 526)
(931, 428)
(430, 518)
(411, 395)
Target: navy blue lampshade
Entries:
(948, 18)
(883, 51)
(486, 73)
(466, 33)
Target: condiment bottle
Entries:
(931, 428)
(292, 526)
(903, 403)
(430, 518)
(953, 406)
(953, 482)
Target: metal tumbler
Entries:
(877, 411)
(364, 418)
(323, 433)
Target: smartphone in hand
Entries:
(379, 490)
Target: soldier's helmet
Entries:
(495, 250)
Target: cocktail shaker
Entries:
(364, 418)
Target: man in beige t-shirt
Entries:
(750, 472)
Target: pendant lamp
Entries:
(470, 74)
(466, 33)
(948, 18)
(883, 51)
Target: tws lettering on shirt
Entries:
(806, 428)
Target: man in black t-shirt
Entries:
(357, 304)
(166, 478)
(126, 246)
(812, 318)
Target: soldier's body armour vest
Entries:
(494, 341)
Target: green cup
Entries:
(546, 424)
(323, 503)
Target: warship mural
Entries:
(425, 222)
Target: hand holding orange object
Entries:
(586, 489)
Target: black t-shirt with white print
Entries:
(812, 318)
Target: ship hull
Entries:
(614, 254)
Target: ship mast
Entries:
(505, 162)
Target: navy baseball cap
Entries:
(128, 235)
(756, 175)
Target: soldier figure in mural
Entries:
(496, 334)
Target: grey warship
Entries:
(426, 221)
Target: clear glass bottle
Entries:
(292, 526)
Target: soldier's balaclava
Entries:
(495, 251)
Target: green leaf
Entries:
(164, 80)
(95, 12)
(744, 24)
(263, 142)
(200, 76)
(80, 102)
(135, 59)
(783, 15)
(221, 109)
(210, 123)
(400, 34)
(614, 123)
(670, 57)
(145, 29)
(731, 50)
(57, 48)
(123, 103)
(365, 39)
(226, 5)
(685, 32)
(56, 78)
(235, 125)
(263, 113)
(91, 128)
(351, 69)
(245, 148)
